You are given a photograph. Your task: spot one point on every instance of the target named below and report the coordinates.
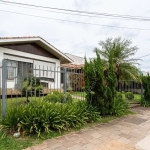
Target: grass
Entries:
(11, 143)
(137, 97)
(82, 94)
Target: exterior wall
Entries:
(38, 62)
(76, 59)
(31, 48)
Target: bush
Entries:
(120, 107)
(119, 95)
(58, 97)
(41, 116)
(145, 101)
(129, 95)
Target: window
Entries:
(11, 67)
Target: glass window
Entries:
(11, 67)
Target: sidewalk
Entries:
(128, 133)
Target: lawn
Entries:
(82, 94)
(137, 97)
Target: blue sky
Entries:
(79, 39)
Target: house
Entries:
(75, 77)
(31, 55)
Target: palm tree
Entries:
(124, 64)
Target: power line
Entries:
(145, 56)
(75, 14)
(86, 23)
(85, 12)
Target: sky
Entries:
(80, 39)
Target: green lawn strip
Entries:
(137, 97)
(11, 143)
(81, 94)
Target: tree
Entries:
(31, 87)
(95, 89)
(124, 65)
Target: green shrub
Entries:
(13, 118)
(120, 107)
(41, 116)
(145, 101)
(58, 97)
(129, 95)
(96, 78)
(119, 95)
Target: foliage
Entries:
(129, 95)
(99, 94)
(111, 81)
(123, 64)
(94, 87)
(41, 116)
(59, 97)
(119, 95)
(145, 101)
(31, 86)
(120, 107)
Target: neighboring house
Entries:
(77, 60)
(75, 77)
(31, 55)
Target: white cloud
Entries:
(79, 38)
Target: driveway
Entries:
(127, 133)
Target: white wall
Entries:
(37, 60)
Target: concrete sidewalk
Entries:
(128, 133)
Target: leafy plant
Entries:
(119, 95)
(31, 86)
(94, 87)
(41, 116)
(120, 107)
(59, 97)
(100, 85)
(129, 95)
(145, 101)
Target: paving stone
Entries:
(81, 142)
(86, 136)
(90, 146)
(105, 139)
(96, 135)
(53, 144)
(136, 120)
(68, 143)
(95, 141)
(60, 148)
(72, 137)
(125, 135)
(77, 147)
(39, 146)
(124, 140)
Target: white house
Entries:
(34, 55)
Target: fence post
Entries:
(65, 83)
(4, 82)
